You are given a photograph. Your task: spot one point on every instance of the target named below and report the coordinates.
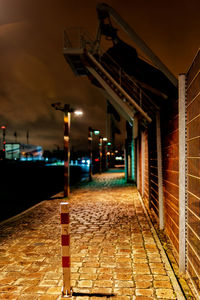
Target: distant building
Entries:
(18, 151)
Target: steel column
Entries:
(182, 173)
(66, 153)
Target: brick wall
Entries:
(170, 154)
(193, 165)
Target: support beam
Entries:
(137, 40)
(182, 174)
(160, 176)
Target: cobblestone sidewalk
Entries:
(114, 250)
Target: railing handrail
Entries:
(123, 79)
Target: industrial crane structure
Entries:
(134, 87)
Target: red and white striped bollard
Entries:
(65, 243)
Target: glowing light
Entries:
(96, 159)
(96, 132)
(108, 143)
(118, 158)
(78, 112)
(3, 127)
(105, 139)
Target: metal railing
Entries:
(79, 38)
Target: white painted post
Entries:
(182, 173)
(160, 175)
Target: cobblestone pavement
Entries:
(113, 248)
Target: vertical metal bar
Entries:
(182, 173)
(138, 162)
(149, 169)
(133, 159)
(66, 153)
(65, 244)
(160, 176)
(90, 152)
(100, 153)
(143, 161)
(126, 161)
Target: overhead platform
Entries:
(127, 96)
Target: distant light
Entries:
(105, 139)
(96, 159)
(88, 162)
(108, 153)
(78, 112)
(83, 161)
(3, 127)
(116, 151)
(118, 158)
(108, 143)
(96, 132)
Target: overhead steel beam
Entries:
(138, 41)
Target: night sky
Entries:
(34, 73)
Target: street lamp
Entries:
(67, 119)
(100, 153)
(90, 137)
(3, 127)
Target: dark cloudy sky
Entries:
(34, 73)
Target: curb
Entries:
(169, 270)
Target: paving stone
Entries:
(144, 292)
(103, 283)
(144, 298)
(162, 284)
(85, 283)
(105, 276)
(124, 291)
(124, 283)
(143, 284)
(123, 276)
(165, 293)
(143, 277)
(113, 250)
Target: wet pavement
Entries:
(115, 251)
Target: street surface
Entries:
(115, 252)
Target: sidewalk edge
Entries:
(170, 272)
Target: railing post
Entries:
(65, 243)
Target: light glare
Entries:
(78, 112)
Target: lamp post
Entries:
(90, 138)
(100, 153)
(3, 127)
(105, 151)
(67, 120)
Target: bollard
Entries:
(65, 244)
